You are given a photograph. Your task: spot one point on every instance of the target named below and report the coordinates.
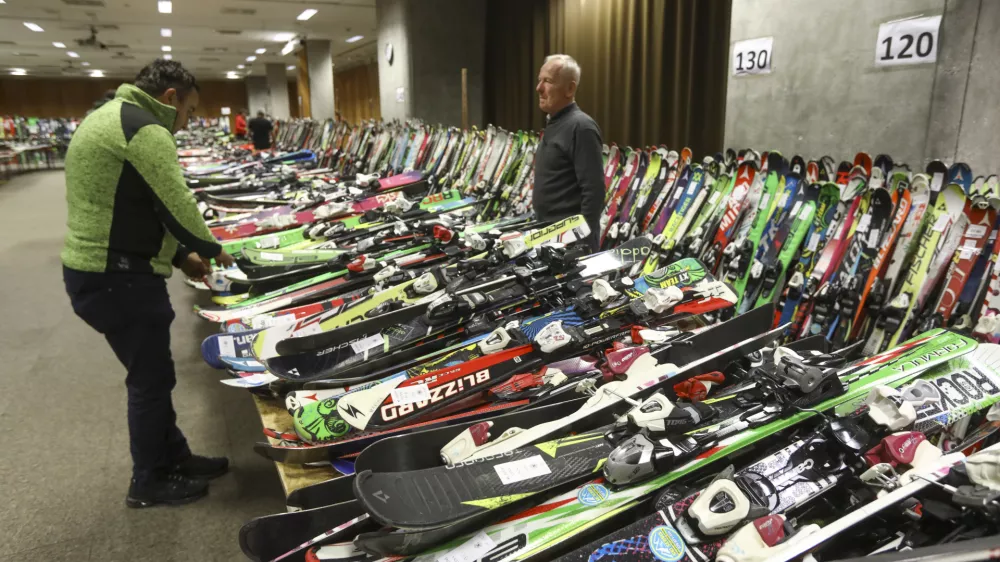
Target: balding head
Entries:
(557, 82)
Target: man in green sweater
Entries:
(131, 216)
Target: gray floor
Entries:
(64, 465)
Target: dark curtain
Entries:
(653, 71)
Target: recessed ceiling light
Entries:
(165, 6)
(71, 54)
(306, 14)
(232, 75)
(251, 58)
(166, 48)
(85, 63)
(33, 26)
(290, 67)
(18, 71)
(168, 56)
(166, 32)
(97, 74)
(283, 37)
(59, 45)
(241, 66)
(289, 47)
(355, 39)
(261, 51)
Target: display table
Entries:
(293, 476)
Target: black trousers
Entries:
(133, 312)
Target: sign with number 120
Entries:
(911, 41)
(752, 56)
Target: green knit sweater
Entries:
(128, 203)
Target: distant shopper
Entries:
(240, 128)
(128, 208)
(569, 178)
(260, 130)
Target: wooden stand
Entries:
(293, 476)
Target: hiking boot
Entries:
(204, 468)
(171, 489)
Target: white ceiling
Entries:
(210, 37)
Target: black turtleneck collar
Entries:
(555, 116)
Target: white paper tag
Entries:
(410, 394)
(866, 221)
(259, 322)
(795, 208)
(271, 256)
(942, 222)
(268, 242)
(784, 200)
(873, 238)
(937, 182)
(909, 41)
(309, 330)
(226, 347)
(692, 187)
(752, 56)
(469, 551)
(364, 344)
(966, 252)
(805, 213)
(813, 242)
(524, 469)
(714, 198)
(975, 231)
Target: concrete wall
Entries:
(391, 23)
(321, 93)
(258, 96)
(825, 95)
(432, 41)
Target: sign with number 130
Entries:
(752, 56)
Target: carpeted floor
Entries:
(64, 466)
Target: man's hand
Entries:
(224, 259)
(195, 267)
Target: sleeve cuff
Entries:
(180, 255)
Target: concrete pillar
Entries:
(432, 41)
(277, 85)
(258, 98)
(321, 102)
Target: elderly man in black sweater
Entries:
(569, 178)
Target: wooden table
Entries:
(293, 476)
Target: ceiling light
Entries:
(290, 67)
(33, 26)
(261, 51)
(241, 66)
(72, 54)
(97, 74)
(251, 58)
(306, 14)
(166, 48)
(283, 37)
(18, 71)
(355, 39)
(289, 47)
(165, 6)
(59, 45)
(166, 32)
(85, 63)
(232, 75)
(168, 56)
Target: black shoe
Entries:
(205, 468)
(171, 489)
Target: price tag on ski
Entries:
(469, 551)
(752, 56)
(308, 330)
(909, 41)
(268, 242)
(942, 222)
(866, 221)
(873, 237)
(524, 469)
(976, 231)
(226, 347)
(269, 256)
(410, 394)
(966, 252)
(813, 242)
(258, 322)
(364, 344)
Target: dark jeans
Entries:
(133, 313)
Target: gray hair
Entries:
(568, 67)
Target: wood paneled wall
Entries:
(72, 97)
(356, 94)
